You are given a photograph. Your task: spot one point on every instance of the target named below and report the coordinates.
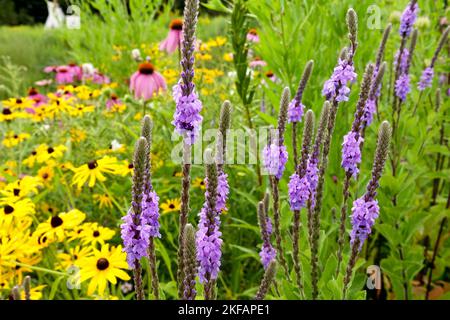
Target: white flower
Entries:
(88, 69)
(115, 145)
(136, 54)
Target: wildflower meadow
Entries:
(225, 150)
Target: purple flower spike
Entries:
(209, 245)
(351, 153)
(275, 158)
(187, 118)
(426, 79)
(267, 254)
(343, 74)
(295, 111)
(150, 213)
(409, 16)
(135, 238)
(402, 87)
(364, 214)
(298, 192)
(369, 111)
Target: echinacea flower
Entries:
(257, 62)
(38, 98)
(105, 266)
(173, 40)
(252, 36)
(146, 82)
(113, 101)
(64, 75)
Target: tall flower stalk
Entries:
(365, 209)
(269, 276)
(336, 91)
(190, 263)
(351, 153)
(299, 193)
(296, 107)
(187, 120)
(267, 253)
(275, 158)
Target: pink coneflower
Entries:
(113, 101)
(146, 82)
(100, 78)
(270, 75)
(75, 70)
(39, 99)
(257, 62)
(173, 40)
(64, 75)
(252, 36)
(50, 69)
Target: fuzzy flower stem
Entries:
(27, 287)
(382, 47)
(282, 117)
(184, 212)
(441, 44)
(301, 172)
(350, 266)
(224, 126)
(190, 263)
(139, 164)
(187, 51)
(211, 189)
(268, 278)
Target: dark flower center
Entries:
(32, 92)
(130, 166)
(176, 24)
(146, 68)
(96, 233)
(102, 264)
(16, 192)
(42, 239)
(33, 152)
(171, 206)
(19, 101)
(114, 97)
(50, 150)
(56, 221)
(8, 209)
(16, 136)
(45, 175)
(269, 74)
(6, 111)
(92, 164)
(253, 32)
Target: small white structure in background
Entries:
(136, 55)
(115, 145)
(73, 17)
(55, 17)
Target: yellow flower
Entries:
(137, 116)
(80, 109)
(16, 210)
(54, 229)
(45, 152)
(199, 183)
(35, 293)
(93, 233)
(19, 103)
(228, 57)
(74, 256)
(125, 168)
(170, 205)
(105, 266)
(12, 139)
(46, 173)
(77, 135)
(103, 200)
(29, 162)
(93, 170)
(7, 114)
(203, 56)
(19, 189)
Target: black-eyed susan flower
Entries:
(199, 183)
(16, 210)
(31, 159)
(7, 114)
(93, 233)
(18, 103)
(54, 229)
(35, 293)
(124, 168)
(45, 152)
(105, 266)
(103, 200)
(46, 174)
(77, 135)
(93, 170)
(74, 256)
(170, 205)
(19, 189)
(13, 139)
(80, 109)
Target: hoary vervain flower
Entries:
(409, 16)
(267, 253)
(295, 110)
